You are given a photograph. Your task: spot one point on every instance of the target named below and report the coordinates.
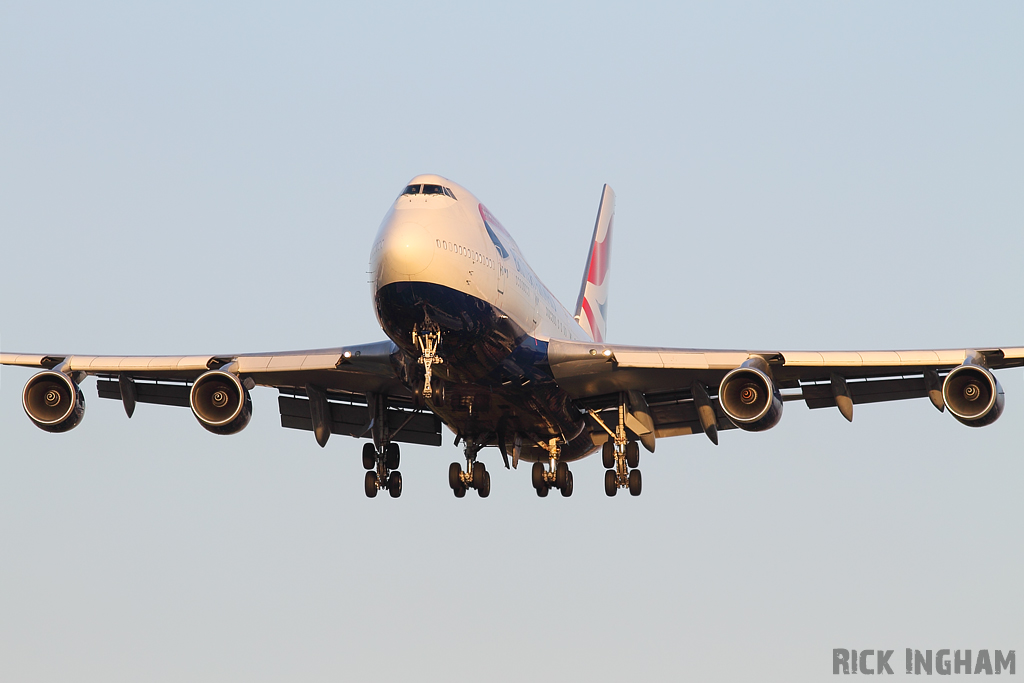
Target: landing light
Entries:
(607, 353)
(347, 354)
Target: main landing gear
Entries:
(620, 462)
(620, 456)
(556, 475)
(475, 476)
(383, 470)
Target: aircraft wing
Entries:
(348, 380)
(666, 379)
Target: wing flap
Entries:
(680, 418)
(350, 419)
(160, 393)
(674, 414)
(870, 391)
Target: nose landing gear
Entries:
(556, 475)
(383, 470)
(426, 336)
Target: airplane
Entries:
(477, 343)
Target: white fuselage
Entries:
(437, 239)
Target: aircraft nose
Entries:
(408, 248)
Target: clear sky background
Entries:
(197, 179)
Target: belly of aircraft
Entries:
(476, 336)
(494, 377)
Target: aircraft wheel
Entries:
(538, 476)
(635, 483)
(393, 456)
(610, 486)
(369, 456)
(454, 476)
(437, 389)
(460, 492)
(542, 491)
(608, 454)
(370, 484)
(567, 487)
(633, 454)
(479, 474)
(484, 489)
(561, 474)
(395, 484)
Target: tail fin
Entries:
(592, 305)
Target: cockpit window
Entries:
(428, 189)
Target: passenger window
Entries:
(433, 189)
(412, 189)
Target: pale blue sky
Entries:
(191, 179)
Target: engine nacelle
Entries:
(750, 398)
(53, 401)
(973, 395)
(221, 402)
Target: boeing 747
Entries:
(477, 343)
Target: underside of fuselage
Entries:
(494, 383)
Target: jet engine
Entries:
(221, 402)
(750, 398)
(973, 395)
(53, 401)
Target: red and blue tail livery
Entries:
(592, 304)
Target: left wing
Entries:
(354, 390)
(670, 392)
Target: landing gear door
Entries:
(502, 271)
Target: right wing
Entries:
(359, 387)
